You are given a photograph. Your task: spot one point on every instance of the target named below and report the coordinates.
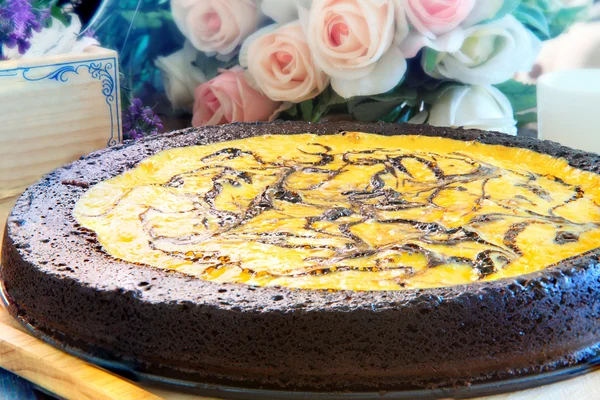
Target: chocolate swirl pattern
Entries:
(348, 211)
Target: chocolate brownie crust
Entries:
(58, 280)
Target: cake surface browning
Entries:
(351, 211)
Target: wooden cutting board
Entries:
(72, 378)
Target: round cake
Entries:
(316, 257)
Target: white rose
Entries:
(351, 40)
(57, 39)
(490, 54)
(473, 107)
(216, 26)
(448, 42)
(282, 11)
(181, 77)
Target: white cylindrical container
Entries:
(569, 108)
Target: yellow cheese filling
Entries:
(352, 211)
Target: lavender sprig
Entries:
(18, 20)
(140, 121)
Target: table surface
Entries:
(585, 387)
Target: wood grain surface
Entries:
(72, 378)
(49, 120)
(58, 372)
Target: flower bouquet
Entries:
(445, 63)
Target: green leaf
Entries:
(335, 98)
(407, 114)
(56, 12)
(430, 59)
(526, 118)
(533, 18)
(166, 15)
(144, 20)
(521, 96)
(508, 7)
(393, 115)
(210, 65)
(306, 107)
(292, 111)
(558, 17)
(372, 111)
(42, 4)
(544, 5)
(324, 102)
(386, 106)
(398, 94)
(564, 18)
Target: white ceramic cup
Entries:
(569, 108)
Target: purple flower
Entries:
(91, 33)
(140, 121)
(20, 13)
(18, 20)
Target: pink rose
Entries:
(216, 25)
(228, 98)
(435, 17)
(281, 64)
(351, 40)
(437, 24)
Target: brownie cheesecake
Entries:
(335, 256)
